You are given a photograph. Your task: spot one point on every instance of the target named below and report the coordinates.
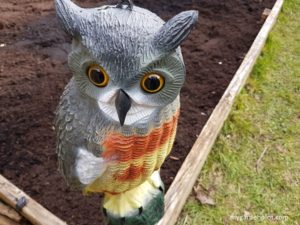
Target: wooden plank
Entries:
(6, 221)
(9, 212)
(189, 171)
(32, 211)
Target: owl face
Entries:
(127, 61)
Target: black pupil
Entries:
(97, 76)
(152, 83)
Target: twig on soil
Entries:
(260, 158)
(174, 158)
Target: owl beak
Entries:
(123, 104)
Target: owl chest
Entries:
(134, 158)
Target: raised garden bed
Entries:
(34, 72)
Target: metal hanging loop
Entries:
(129, 4)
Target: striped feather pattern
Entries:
(134, 158)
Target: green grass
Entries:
(265, 116)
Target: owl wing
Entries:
(89, 167)
(75, 144)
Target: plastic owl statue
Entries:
(117, 118)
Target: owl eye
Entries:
(152, 82)
(97, 76)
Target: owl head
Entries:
(126, 59)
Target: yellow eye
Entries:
(97, 76)
(152, 82)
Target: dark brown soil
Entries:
(33, 73)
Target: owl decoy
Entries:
(117, 118)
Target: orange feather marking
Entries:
(126, 149)
(133, 172)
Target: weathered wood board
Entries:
(32, 211)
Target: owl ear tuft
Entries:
(174, 31)
(69, 15)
